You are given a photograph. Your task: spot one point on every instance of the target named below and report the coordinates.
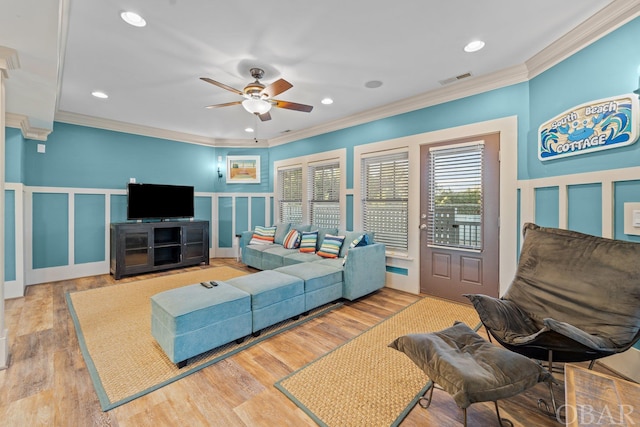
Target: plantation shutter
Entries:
(290, 195)
(455, 196)
(324, 195)
(385, 203)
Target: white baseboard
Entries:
(4, 349)
(626, 364)
(13, 289)
(224, 253)
(66, 272)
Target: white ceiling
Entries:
(69, 48)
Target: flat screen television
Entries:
(158, 201)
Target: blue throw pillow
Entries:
(362, 240)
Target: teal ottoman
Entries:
(275, 297)
(322, 283)
(192, 319)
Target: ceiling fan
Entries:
(258, 97)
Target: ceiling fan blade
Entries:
(264, 117)
(222, 85)
(276, 88)
(226, 104)
(292, 106)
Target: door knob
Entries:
(423, 226)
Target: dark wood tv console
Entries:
(143, 247)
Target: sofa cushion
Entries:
(331, 262)
(300, 257)
(268, 287)
(300, 227)
(315, 275)
(273, 257)
(281, 231)
(331, 245)
(292, 239)
(321, 233)
(308, 241)
(263, 235)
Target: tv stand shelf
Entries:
(143, 247)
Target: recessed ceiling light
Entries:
(474, 46)
(133, 18)
(327, 101)
(99, 94)
(248, 130)
(372, 84)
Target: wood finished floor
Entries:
(47, 382)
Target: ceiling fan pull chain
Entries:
(255, 129)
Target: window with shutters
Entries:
(385, 198)
(290, 195)
(324, 195)
(455, 196)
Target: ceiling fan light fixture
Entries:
(256, 106)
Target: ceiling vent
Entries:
(455, 79)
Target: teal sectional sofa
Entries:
(190, 320)
(363, 271)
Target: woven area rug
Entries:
(364, 382)
(113, 325)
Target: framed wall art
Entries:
(243, 169)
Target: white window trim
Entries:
(318, 159)
(508, 129)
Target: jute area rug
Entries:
(113, 325)
(364, 382)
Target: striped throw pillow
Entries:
(263, 235)
(308, 241)
(330, 247)
(291, 240)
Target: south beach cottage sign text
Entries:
(597, 125)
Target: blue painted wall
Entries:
(585, 208)
(14, 155)
(547, 206)
(84, 157)
(608, 67)
(499, 103)
(9, 235)
(50, 240)
(242, 218)
(624, 192)
(89, 237)
(225, 216)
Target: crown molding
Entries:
(8, 60)
(610, 18)
(21, 122)
(462, 89)
(118, 126)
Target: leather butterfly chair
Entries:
(574, 298)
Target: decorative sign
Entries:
(594, 126)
